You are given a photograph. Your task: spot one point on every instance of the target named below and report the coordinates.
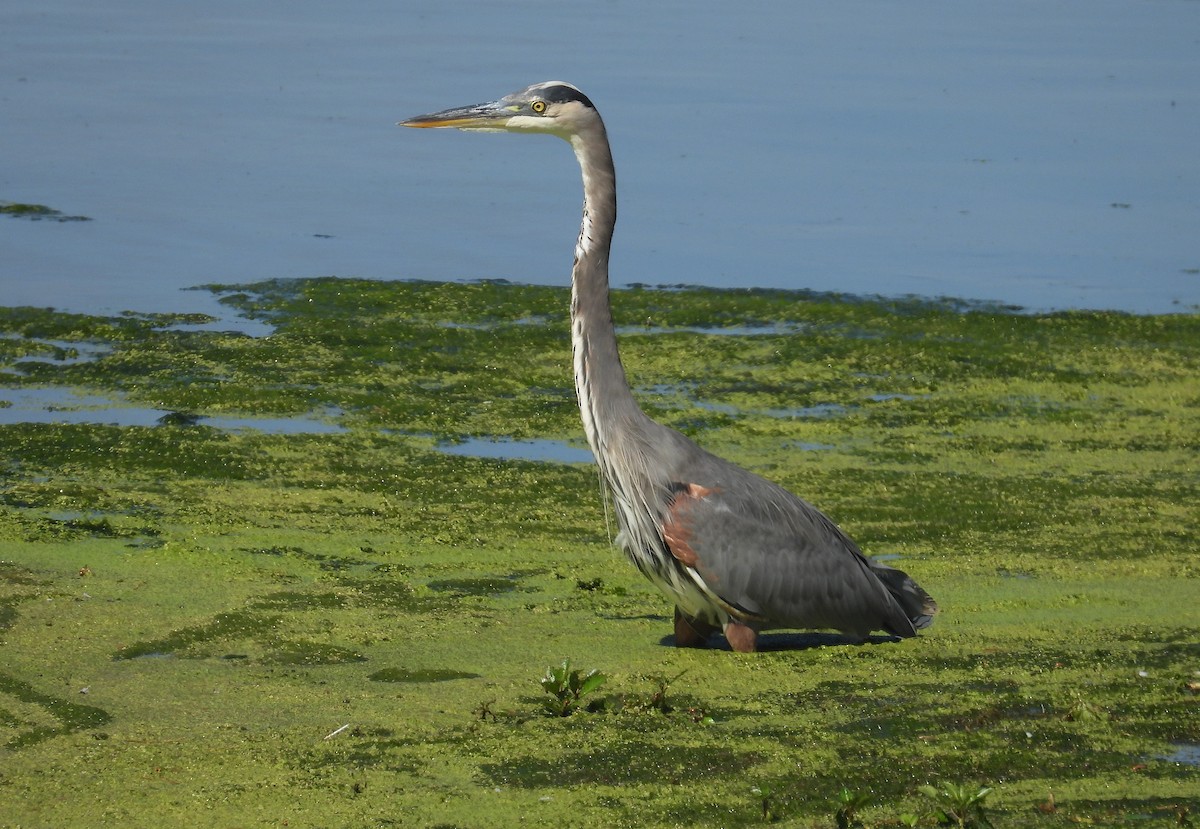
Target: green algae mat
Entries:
(337, 619)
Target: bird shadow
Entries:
(792, 641)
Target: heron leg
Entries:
(689, 632)
(741, 637)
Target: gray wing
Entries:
(775, 559)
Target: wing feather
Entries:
(772, 556)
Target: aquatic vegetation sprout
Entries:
(848, 803)
(959, 804)
(566, 687)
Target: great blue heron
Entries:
(731, 549)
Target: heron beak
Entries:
(489, 116)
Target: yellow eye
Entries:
(538, 106)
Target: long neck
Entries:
(605, 401)
(619, 433)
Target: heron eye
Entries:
(538, 106)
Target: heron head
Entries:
(551, 107)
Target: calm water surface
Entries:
(1036, 153)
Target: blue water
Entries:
(57, 404)
(511, 449)
(1036, 153)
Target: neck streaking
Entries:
(605, 400)
(621, 436)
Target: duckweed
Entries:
(421, 675)
(346, 628)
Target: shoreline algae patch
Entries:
(37, 213)
(350, 627)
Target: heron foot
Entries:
(741, 637)
(689, 632)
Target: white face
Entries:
(552, 107)
(537, 115)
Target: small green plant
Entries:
(658, 698)
(566, 687)
(959, 804)
(847, 804)
(1084, 711)
(767, 801)
(653, 702)
(484, 711)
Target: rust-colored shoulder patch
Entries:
(676, 529)
(683, 491)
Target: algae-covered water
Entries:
(345, 624)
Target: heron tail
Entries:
(917, 605)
